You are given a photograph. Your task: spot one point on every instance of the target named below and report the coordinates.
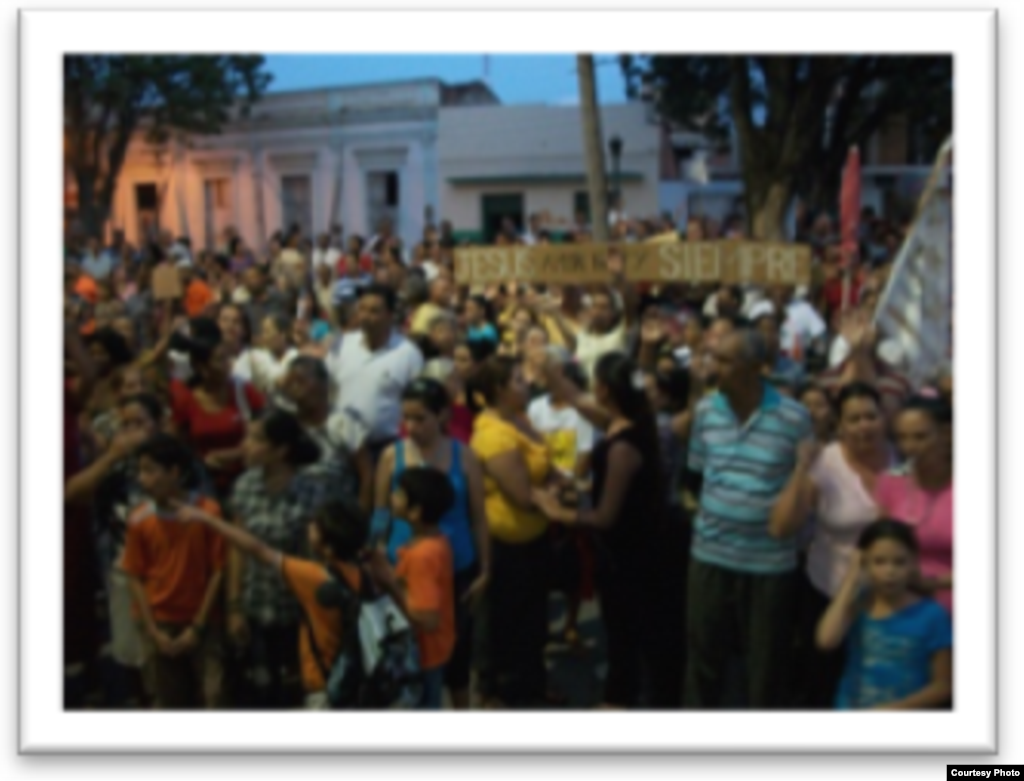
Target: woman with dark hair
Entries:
(817, 402)
(835, 484)
(480, 320)
(635, 561)
(923, 495)
(212, 411)
(237, 336)
(516, 462)
(109, 351)
(274, 500)
(425, 411)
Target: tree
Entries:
(794, 118)
(108, 99)
(591, 123)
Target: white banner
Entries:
(916, 308)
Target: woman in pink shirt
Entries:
(836, 485)
(922, 495)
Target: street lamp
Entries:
(615, 147)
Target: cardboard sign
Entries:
(556, 264)
(732, 262)
(166, 283)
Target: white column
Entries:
(431, 177)
(179, 192)
(336, 179)
(354, 195)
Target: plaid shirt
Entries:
(280, 521)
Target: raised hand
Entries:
(652, 331)
(125, 442)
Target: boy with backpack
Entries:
(337, 534)
(422, 583)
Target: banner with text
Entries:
(915, 309)
(733, 262)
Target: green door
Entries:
(498, 208)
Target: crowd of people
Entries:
(743, 478)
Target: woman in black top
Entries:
(629, 514)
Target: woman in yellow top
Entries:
(515, 460)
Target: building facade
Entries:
(508, 162)
(350, 156)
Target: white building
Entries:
(348, 155)
(501, 162)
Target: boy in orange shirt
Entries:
(175, 572)
(422, 585)
(337, 534)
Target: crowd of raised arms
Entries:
(742, 478)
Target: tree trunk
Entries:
(768, 203)
(93, 212)
(594, 148)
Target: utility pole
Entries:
(593, 147)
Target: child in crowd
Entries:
(422, 584)
(571, 439)
(899, 645)
(337, 533)
(176, 568)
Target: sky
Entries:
(516, 79)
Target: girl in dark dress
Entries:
(641, 610)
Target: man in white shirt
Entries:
(606, 332)
(371, 368)
(325, 254)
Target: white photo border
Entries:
(970, 36)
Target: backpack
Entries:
(378, 666)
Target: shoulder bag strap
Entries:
(308, 627)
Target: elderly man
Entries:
(742, 586)
(372, 366)
(341, 434)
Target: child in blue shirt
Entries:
(898, 645)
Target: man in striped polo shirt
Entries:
(742, 587)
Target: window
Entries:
(297, 203)
(581, 204)
(383, 199)
(145, 196)
(218, 209)
(391, 188)
(147, 210)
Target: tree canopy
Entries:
(108, 98)
(795, 117)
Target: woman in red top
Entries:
(212, 412)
